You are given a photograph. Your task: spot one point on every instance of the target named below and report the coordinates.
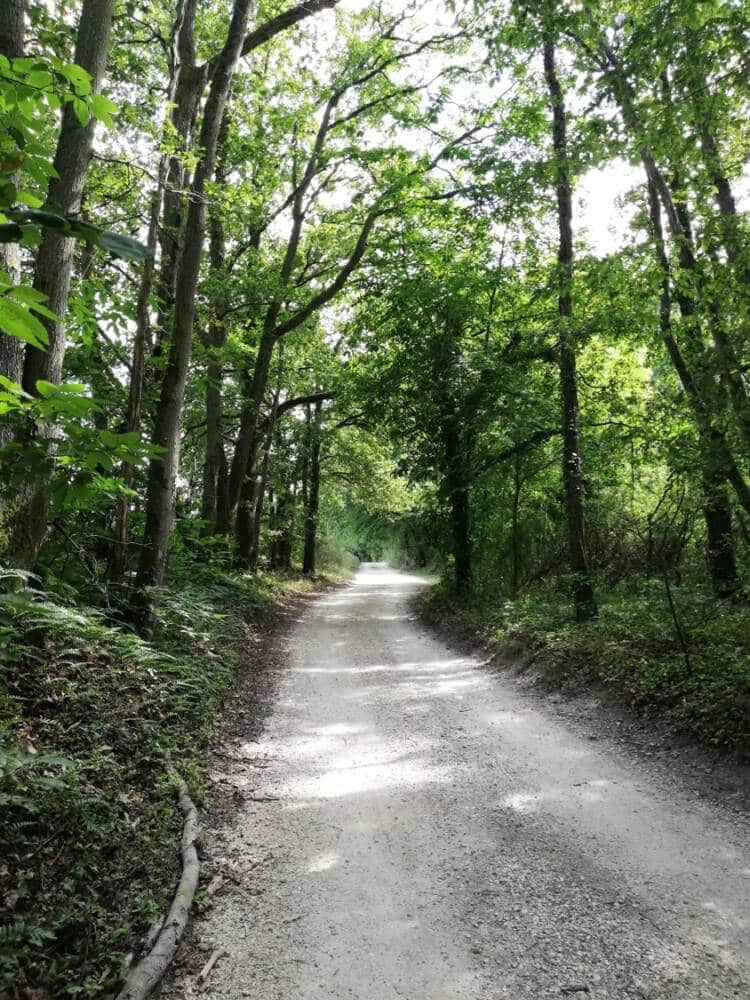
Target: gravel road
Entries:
(414, 826)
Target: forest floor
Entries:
(407, 823)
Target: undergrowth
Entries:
(91, 716)
(634, 648)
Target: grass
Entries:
(633, 649)
(91, 717)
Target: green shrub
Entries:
(633, 647)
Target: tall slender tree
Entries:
(583, 591)
(54, 260)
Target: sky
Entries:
(600, 216)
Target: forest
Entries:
(460, 285)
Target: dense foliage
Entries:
(289, 286)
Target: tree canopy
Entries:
(289, 285)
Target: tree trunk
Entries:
(163, 469)
(515, 542)
(283, 516)
(313, 493)
(583, 592)
(702, 101)
(719, 536)
(215, 340)
(222, 495)
(728, 367)
(186, 87)
(260, 492)
(243, 474)
(717, 462)
(732, 236)
(676, 215)
(118, 565)
(458, 497)
(259, 502)
(12, 35)
(54, 263)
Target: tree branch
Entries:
(265, 32)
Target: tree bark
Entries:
(676, 215)
(457, 488)
(717, 511)
(186, 87)
(223, 523)
(118, 565)
(583, 591)
(54, 263)
(215, 341)
(242, 476)
(515, 541)
(163, 469)
(12, 35)
(313, 493)
(265, 470)
(718, 465)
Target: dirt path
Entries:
(419, 828)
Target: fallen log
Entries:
(149, 971)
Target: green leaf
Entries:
(103, 109)
(32, 299)
(78, 77)
(30, 199)
(49, 220)
(45, 389)
(123, 246)
(40, 78)
(117, 244)
(8, 192)
(81, 109)
(19, 323)
(9, 384)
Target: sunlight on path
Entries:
(431, 834)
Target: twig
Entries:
(206, 970)
(678, 627)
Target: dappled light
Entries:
(411, 783)
(338, 337)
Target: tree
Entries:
(54, 260)
(583, 591)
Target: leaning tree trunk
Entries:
(724, 356)
(716, 460)
(702, 102)
(12, 33)
(54, 262)
(676, 214)
(162, 477)
(313, 493)
(118, 564)
(583, 592)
